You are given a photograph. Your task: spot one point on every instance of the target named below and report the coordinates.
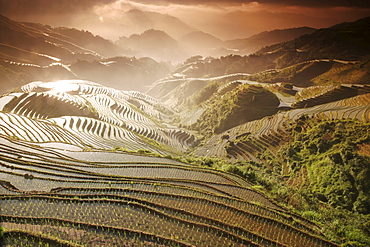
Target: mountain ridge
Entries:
(154, 43)
(45, 54)
(152, 20)
(255, 42)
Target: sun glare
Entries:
(61, 86)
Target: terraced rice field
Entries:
(72, 198)
(67, 177)
(269, 132)
(90, 115)
(324, 94)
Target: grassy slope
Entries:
(336, 171)
(246, 103)
(329, 167)
(321, 173)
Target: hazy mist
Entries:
(224, 19)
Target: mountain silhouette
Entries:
(156, 44)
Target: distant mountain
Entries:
(329, 54)
(144, 20)
(254, 43)
(155, 44)
(35, 52)
(37, 39)
(197, 72)
(88, 40)
(31, 51)
(336, 55)
(200, 42)
(125, 73)
(346, 41)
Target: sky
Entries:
(224, 19)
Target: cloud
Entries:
(226, 19)
(24, 8)
(310, 3)
(45, 7)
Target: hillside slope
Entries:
(31, 52)
(155, 44)
(255, 42)
(200, 43)
(348, 41)
(89, 115)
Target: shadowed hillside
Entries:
(256, 42)
(348, 41)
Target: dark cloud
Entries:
(321, 3)
(18, 8)
(302, 3)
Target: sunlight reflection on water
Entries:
(60, 86)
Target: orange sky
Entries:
(224, 19)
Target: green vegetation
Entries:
(327, 179)
(336, 173)
(203, 95)
(244, 104)
(1, 234)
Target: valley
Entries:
(101, 148)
